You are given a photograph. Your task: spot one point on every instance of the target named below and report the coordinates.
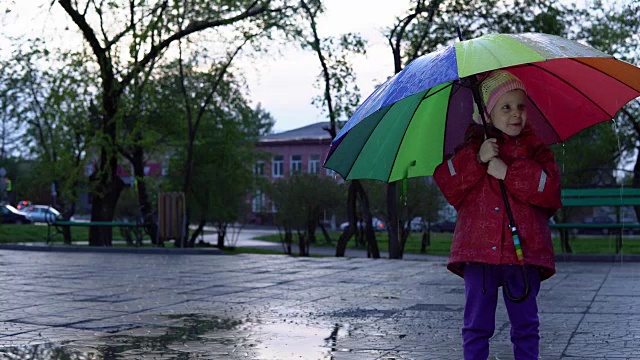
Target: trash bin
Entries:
(171, 217)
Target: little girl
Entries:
(483, 251)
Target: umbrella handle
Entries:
(527, 288)
(518, 247)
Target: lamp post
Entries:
(3, 184)
(53, 194)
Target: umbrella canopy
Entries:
(411, 122)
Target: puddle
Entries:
(299, 341)
(186, 337)
(181, 338)
(339, 331)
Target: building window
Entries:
(258, 169)
(330, 172)
(296, 163)
(314, 164)
(257, 205)
(277, 166)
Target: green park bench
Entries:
(614, 197)
(55, 227)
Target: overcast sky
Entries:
(283, 85)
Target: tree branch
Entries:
(325, 69)
(190, 29)
(183, 89)
(162, 7)
(431, 11)
(218, 80)
(87, 31)
(398, 32)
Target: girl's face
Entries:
(509, 115)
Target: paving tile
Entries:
(278, 307)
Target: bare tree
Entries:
(157, 25)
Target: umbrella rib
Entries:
(434, 93)
(453, 91)
(426, 95)
(544, 116)
(346, 177)
(602, 72)
(571, 85)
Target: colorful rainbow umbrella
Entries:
(411, 122)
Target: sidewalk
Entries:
(106, 305)
(247, 239)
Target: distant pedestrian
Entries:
(483, 250)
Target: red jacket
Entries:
(533, 186)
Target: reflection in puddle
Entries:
(186, 337)
(297, 341)
(181, 337)
(339, 331)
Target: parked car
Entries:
(600, 219)
(11, 215)
(42, 213)
(22, 204)
(444, 226)
(378, 225)
(417, 224)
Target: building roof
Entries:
(310, 132)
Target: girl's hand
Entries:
(488, 150)
(497, 168)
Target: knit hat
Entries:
(498, 83)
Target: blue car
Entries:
(444, 226)
(42, 213)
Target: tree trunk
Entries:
(286, 240)
(357, 190)
(395, 246)
(147, 211)
(327, 238)
(221, 229)
(303, 244)
(350, 230)
(370, 235)
(405, 231)
(107, 186)
(426, 241)
(66, 230)
(198, 231)
(341, 246)
(563, 217)
(312, 222)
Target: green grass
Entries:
(441, 243)
(10, 233)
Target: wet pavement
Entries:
(61, 305)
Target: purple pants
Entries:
(480, 309)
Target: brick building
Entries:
(299, 150)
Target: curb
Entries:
(597, 258)
(610, 258)
(117, 250)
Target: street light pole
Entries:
(53, 194)
(3, 184)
